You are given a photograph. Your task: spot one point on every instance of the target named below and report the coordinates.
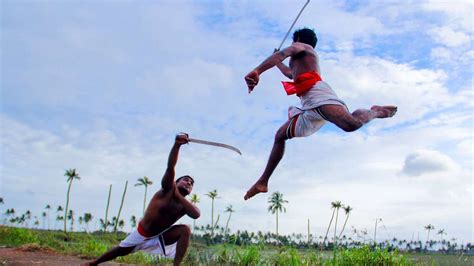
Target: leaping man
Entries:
(319, 103)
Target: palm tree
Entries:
(230, 211)
(276, 205)
(347, 210)
(309, 234)
(212, 195)
(58, 210)
(7, 213)
(87, 219)
(133, 221)
(375, 231)
(441, 232)
(59, 218)
(338, 206)
(43, 214)
(36, 223)
(81, 220)
(121, 224)
(107, 209)
(70, 216)
(195, 200)
(27, 218)
(71, 175)
(121, 204)
(429, 227)
(48, 208)
(333, 206)
(144, 182)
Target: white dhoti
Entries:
(308, 119)
(152, 245)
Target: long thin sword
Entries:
(217, 144)
(286, 35)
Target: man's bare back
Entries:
(303, 59)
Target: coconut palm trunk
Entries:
(195, 200)
(144, 201)
(144, 182)
(335, 227)
(347, 210)
(333, 206)
(71, 174)
(107, 209)
(212, 195)
(276, 205)
(230, 211)
(309, 235)
(227, 223)
(329, 226)
(276, 215)
(121, 205)
(375, 231)
(67, 203)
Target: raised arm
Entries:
(167, 183)
(252, 78)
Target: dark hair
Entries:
(177, 180)
(305, 35)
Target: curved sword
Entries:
(217, 144)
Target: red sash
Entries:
(302, 83)
(141, 231)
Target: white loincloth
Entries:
(152, 245)
(308, 119)
(320, 94)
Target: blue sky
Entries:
(103, 87)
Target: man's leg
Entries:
(112, 254)
(348, 122)
(180, 235)
(261, 186)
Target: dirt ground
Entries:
(22, 256)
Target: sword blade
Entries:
(217, 144)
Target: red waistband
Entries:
(141, 231)
(302, 83)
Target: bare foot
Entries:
(384, 111)
(255, 189)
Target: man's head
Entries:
(185, 184)
(305, 35)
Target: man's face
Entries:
(185, 185)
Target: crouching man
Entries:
(156, 233)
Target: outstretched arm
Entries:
(252, 78)
(167, 182)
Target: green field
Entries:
(91, 245)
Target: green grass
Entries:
(90, 246)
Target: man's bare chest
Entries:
(170, 208)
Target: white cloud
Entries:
(449, 37)
(427, 161)
(458, 14)
(366, 81)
